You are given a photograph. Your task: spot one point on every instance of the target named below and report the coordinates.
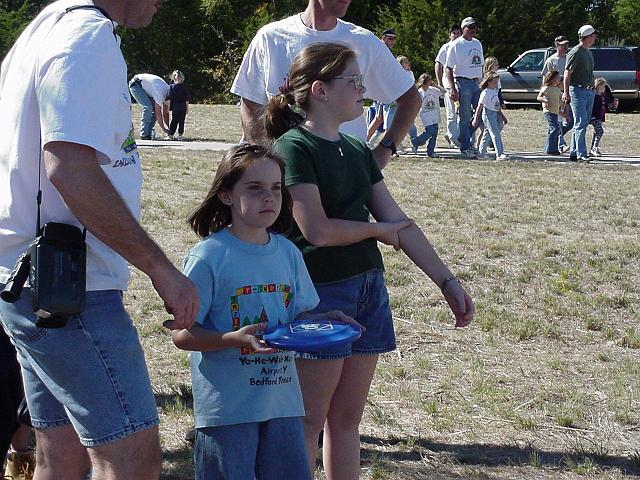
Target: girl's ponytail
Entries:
(279, 117)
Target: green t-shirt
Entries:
(344, 172)
(580, 62)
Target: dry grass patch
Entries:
(544, 384)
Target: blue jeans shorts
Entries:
(269, 450)
(365, 299)
(91, 373)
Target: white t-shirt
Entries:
(155, 87)
(441, 58)
(267, 61)
(466, 58)
(430, 110)
(64, 77)
(489, 99)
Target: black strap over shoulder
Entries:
(94, 7)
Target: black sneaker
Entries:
(147, 137)
(573, 158)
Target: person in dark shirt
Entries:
(179, 104)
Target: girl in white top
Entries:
(429, 113)
(490, 110)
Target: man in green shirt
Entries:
(579, 90)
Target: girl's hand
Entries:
(342, 317)
(245, 337)
(387, 232)
(459, 302)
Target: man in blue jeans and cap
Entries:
(464, 72)
(580, 91)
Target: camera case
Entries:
(58, 271)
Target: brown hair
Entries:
(212, 215)
(321, 61)
(423, 81)
(490, 75)
(549, 77)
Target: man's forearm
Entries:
(251, 116)
(439, 70)
(74, 170)
(408, 105)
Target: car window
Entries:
(610, 59)
(529, 62)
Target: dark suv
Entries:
(620, 66)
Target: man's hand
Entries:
(179, 294)
(454, 94)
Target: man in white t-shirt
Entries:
(66, 123)
(268, 59)
(452, 132)
(464, 72)
(151, 92)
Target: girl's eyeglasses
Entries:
(358, 80)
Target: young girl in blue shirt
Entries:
(247, 400)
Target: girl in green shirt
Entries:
(336, 187)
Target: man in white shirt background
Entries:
(442, 80)
(267, 61)
(464, 72)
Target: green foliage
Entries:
(14, 16)
(207, 38)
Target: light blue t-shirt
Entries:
(241, 284)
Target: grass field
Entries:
(544, 384)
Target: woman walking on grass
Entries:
(336, 186)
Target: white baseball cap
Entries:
(586, 30)
(467, 21)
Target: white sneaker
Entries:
(168, 137)
(564, 148)
(504, 156)
(595, 152)
(180, 137)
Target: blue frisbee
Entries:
(311, 336)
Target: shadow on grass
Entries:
(492, 455)
(178, 464)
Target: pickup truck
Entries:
(620, 66)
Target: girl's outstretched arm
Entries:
(417, 247)
(202, 340)
(321, 231)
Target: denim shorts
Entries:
(91, 373)
(365, 299)
(269, 450)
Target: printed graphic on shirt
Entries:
(238, 321)
(431, 103)
(476, 57)
(130, 152)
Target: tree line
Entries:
(207, 38)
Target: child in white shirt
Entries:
(429, 114)
(490, 110)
